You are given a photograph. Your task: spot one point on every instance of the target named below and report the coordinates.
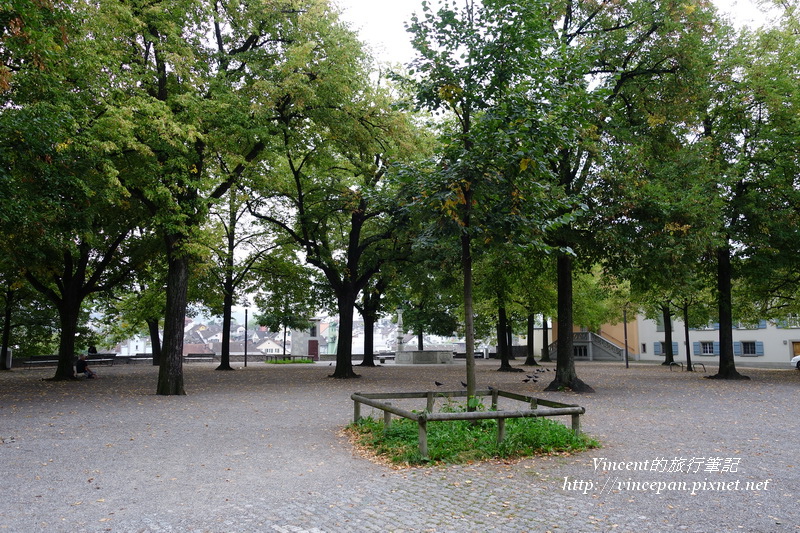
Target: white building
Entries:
(769, 343)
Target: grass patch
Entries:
(464, 441)
(288, 361)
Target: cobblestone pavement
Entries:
(261, 449)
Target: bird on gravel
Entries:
(463, 384)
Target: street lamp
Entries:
(625, 330)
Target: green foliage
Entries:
(464, 441)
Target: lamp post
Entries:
(625, 331)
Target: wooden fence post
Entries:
(576, 424)
(423, 437)
(501, 430)
(387, 418)
(356, 410)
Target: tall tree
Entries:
(467, 60)
(330, 194)
(235, 254)
(190, 110)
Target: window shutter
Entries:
(716, 325)
(716, 348)
(657, 348)
(674, 348)
(762, 324)
(737, 348)
(697, 348)
(759, 348)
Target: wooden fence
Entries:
(536, 407)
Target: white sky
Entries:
(381, 23)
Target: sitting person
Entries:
(82, 367)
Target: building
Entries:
(766, 344)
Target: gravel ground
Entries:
(261, 449)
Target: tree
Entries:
(330, 193)
(646, 53)
(32, 33)
(744, 127)
(191, 109)
(68, 225)
(467, 59)
(770, 229)
(234, 258)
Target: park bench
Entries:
(383, 357)
(203, 357)
(101, 358)
(136, 358)
(41, 360)
(277, 357)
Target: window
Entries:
(644, 348)
(793, 321)
(580, 351)
(660, 348)
(748, 348)
(705, 348)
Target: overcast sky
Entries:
(381, 22)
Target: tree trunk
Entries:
(686, 337)
(669, 357)
(420, 343)
(155, 340)
(510, 339)
(566, 377)
(727, 367)
(530, 360)
(469, 319)
(229, 286)
(227, 312)
(68, 313)
(7, 315)
(170, 374)
(545, 358)
(369, 339)
(503, 345)
(344, 351)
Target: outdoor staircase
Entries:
(589, 346)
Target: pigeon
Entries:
(438, 384)
(526, 380)
(463, 384)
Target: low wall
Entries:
(423, 357)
